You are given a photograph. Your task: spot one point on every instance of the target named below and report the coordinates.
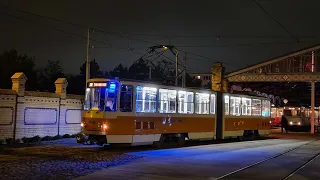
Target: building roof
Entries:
(8, 92)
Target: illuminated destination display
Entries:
(97, 84)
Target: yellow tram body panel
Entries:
(246, 123)
(142, 125)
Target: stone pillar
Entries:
(61, 87)
(18, 83)
(218, 83)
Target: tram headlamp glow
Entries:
(299, 123)
(105, 126)
(291, 122)
(82, 124)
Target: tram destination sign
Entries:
(97, 84)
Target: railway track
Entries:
(237, 172)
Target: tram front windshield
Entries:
(101, 98)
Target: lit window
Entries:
(198, 77)
(146, 99)
(235, 106)
(185, 102)
(212, 103)
(102, 99)
(202, 103)
(265, 108)
(111, 96)
(87, 102)
(167, 101)
(256, 107)
(226, 105)
(246, 106)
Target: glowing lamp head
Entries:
(291, 122)
(82, 125)
(285, 101)
(105, 126)
(299, 123)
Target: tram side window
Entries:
(185, 105)
(87, 100)
(226, 105)
(167, 101)
(235, 103)
(126, 98)
(246, 106)
(256, 107)
(111, 96)
(265, 108)
(146, 99)
(212, 103)
(273, 112)
(97, 98)
(202, 103)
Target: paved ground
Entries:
(64, 159)
(60, 160)
(214, 161)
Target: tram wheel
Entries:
(181, 140)
(160, 143)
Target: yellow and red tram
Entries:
(135, 113)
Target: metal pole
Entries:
(150, 73)
(312, 96)
(185, 70)
(312, 106)
(87, 59)
(176, 81)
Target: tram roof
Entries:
(139, 82)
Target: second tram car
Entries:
(135, 113)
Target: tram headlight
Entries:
(82, 124)
(291, 123)
(105, 127)
(299, 123)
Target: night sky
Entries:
(224, 25)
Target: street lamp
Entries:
(285, 101)
(165, 47)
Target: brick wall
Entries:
(71, 114)
(38, 113)
(7, 112)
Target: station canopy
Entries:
(288, 76)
